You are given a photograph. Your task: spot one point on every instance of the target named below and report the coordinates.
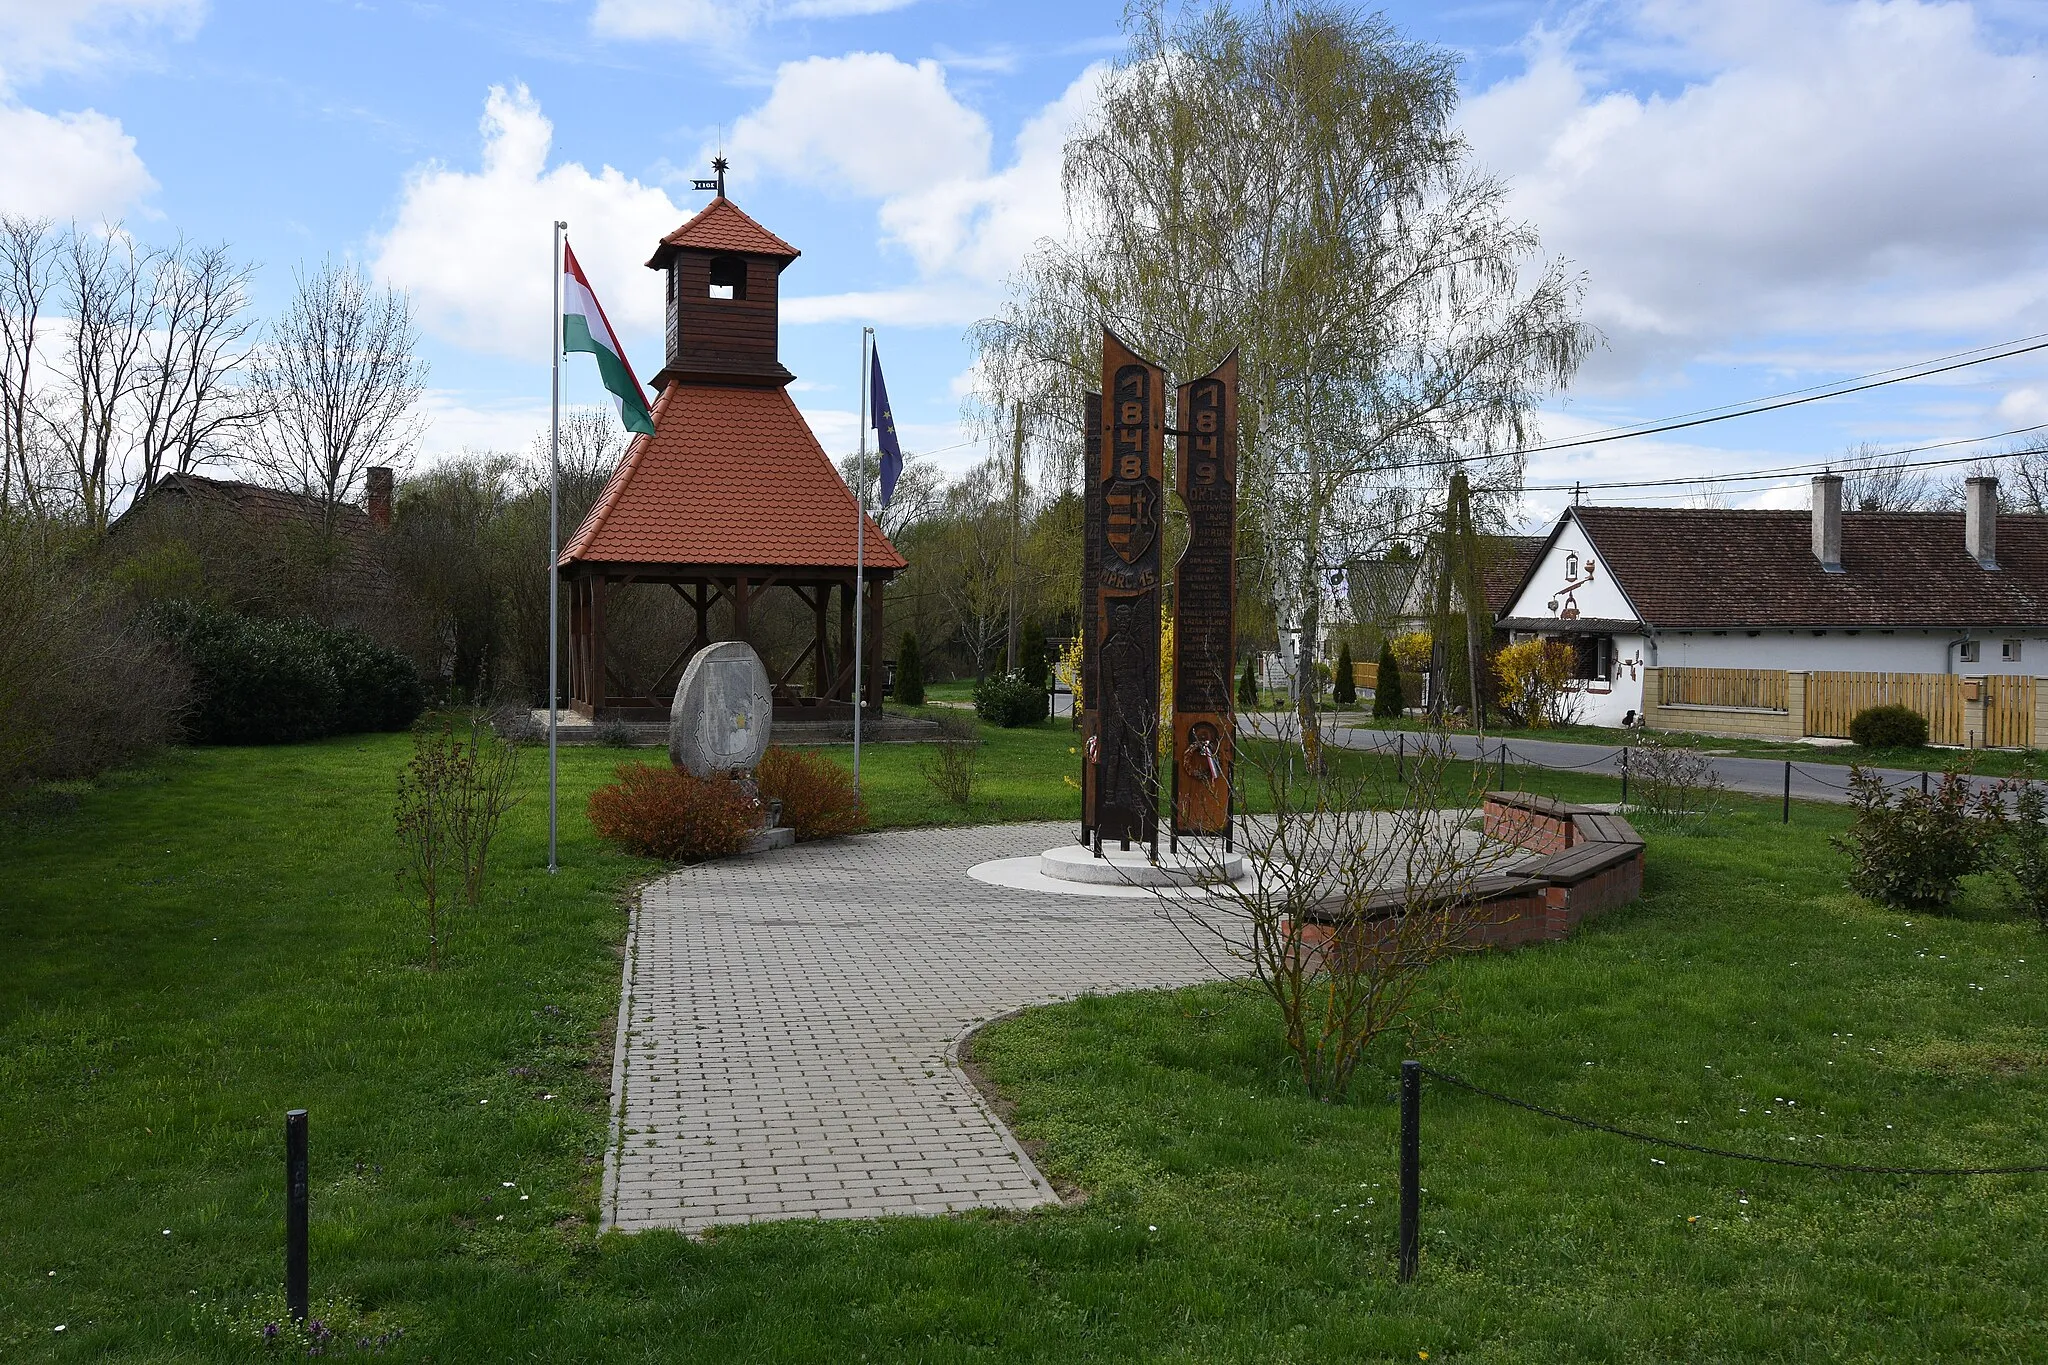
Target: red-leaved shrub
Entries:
(817, 796)
(664, 812)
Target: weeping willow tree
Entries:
(1287, 181)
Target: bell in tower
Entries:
(722, 270)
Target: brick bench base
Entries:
(1592, 862)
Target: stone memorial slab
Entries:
(722, 713)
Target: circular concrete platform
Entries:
(1119, 867)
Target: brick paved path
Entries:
(789, 1019)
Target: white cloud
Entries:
(866, 123)
(42, 35)
(472, 246)
(872, 125)
(456, 422)
(1854, 167)
(719, 22)
(911, 306)
(80, 165)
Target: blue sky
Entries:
(1764, 194)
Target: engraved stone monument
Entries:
(719, 723)
(720, 719)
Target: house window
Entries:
(728, 277)
(1968, 651)
(2009, 650)
(1592, 657)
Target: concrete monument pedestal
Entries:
(1121, 867)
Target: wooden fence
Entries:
(2008, 713)
(1833, 699)
(1761, 689)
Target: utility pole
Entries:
(1016, 522)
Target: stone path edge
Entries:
(608, 1205)
(986, 1103)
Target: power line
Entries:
(1809, 467)
(1797, 398)
(1755, 409)
(1854, 379)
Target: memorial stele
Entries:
(719, 722)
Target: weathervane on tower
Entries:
(718, 165)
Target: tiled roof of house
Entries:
(732, 475)
(1507, 563)
(1691, 567)
(720, 226)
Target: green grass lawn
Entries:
(200, 947)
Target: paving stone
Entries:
(788, 1019)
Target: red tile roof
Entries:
(1692, 567)
(731, 476)
(720, 226)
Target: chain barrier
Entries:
(1652, 1139)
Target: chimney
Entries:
(1827, 521)
(380, 497)
(1980, 520)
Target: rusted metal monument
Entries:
(730, 498)
(1124, 537)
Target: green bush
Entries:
(1913, 851)
(1010, 700)
(380, 689)
(1345, 689)
(2020, 852)
(1889, 727)
(263, 681)
(1388, 701)
(909, 672)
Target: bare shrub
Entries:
(817, 795)
(426, 793)
(1354, 888)
(667, 813)
(948, 762)
(84, 686)
(1673, 785)
(452, 796)
(486, 781)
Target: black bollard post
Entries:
(1401, 758)
(1624, 774)
(295, 1214)
(1503, 765)
(1923, 781)
(1411, 1168)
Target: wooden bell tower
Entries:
(722, 273)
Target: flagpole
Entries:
(860, 546)
(554, 530)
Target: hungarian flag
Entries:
(584, 328)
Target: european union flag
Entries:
(885, 429)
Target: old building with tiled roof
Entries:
(257, 549)
(730, 498)
(1934, 594)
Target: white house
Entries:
(1639, 588)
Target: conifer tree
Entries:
(1387, 701)
(909, 672)
(1344, 690)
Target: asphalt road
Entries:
(1755, 776)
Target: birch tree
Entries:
(1288, 181)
